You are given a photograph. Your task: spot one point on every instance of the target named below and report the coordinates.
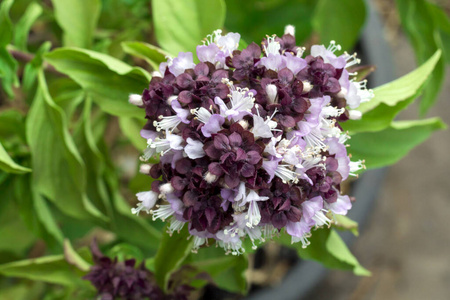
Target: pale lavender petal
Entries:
(341, 206)
(194, 149)
(182, 113)
(183, 61)
(260, 128)
(273, 62)
(311, 207)
(294, 63)
(207, 53)
(213, 125)
(295, 136)
(270, 166)
(176, 204)
(229, 42)
(162, 68)
(149, 134)
(172, 157)
(299, 229)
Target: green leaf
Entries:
(254, 19)
(386, 147)
(36, 214)
(32, 68)
(151, 54)
(8, 165)
(442, 21)
(422, 29)
(131, 128)
(181, 25)
(6, 27)
(227, 271)
(22, 27)
(8, 69)
(336, 247)
(73, 258)
(78, 19)
(12, 124)
(58, 174)
(109, 80)
(340, 21)
(328, 249)
(172, 251)
(124, 251)
(10, 226)
(126, 225)
(51, 269)
(391, 98)
(345, 223)
(403, 88)
(93, 159)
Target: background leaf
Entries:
(386, 147)
(171, 254)
(255, 19)
(419, 24)
(328, 249)
(151, 54)
(109, 80)
(344, 29)
(59, 174)
(8, 165)
(391, 98)
(23, 26)
(181, 25)
(78, 19)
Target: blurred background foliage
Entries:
(69, 141)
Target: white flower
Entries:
(148, 201)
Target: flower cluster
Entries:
(115, 279)
(249, 141)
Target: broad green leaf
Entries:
(78, 19)
(22, 27)
(345, 223)
(173, 250)
(151, 54)
(51, 269)
(73, 258)
(181, 25)
(131, 128)
(340, 21)
(124, 251)
(127, 226)
(32, 68)
(58, 174)
(442, 21)
(8, 165)
(227, 271)
(11, 124)
(254, 19)
(386, 147)
(327, 248)
(391, 98)
(110, 81)
(10, 226)
(422, 30)
(36, 214)
(6, 27)
(8, 69)
(93, 159)
(336, 247)
(67, 94)
(403, 88)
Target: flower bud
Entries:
(355, 114)
(135, 99)
(145, 169)
(289, 29)
(307, 86)
(271, 91)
